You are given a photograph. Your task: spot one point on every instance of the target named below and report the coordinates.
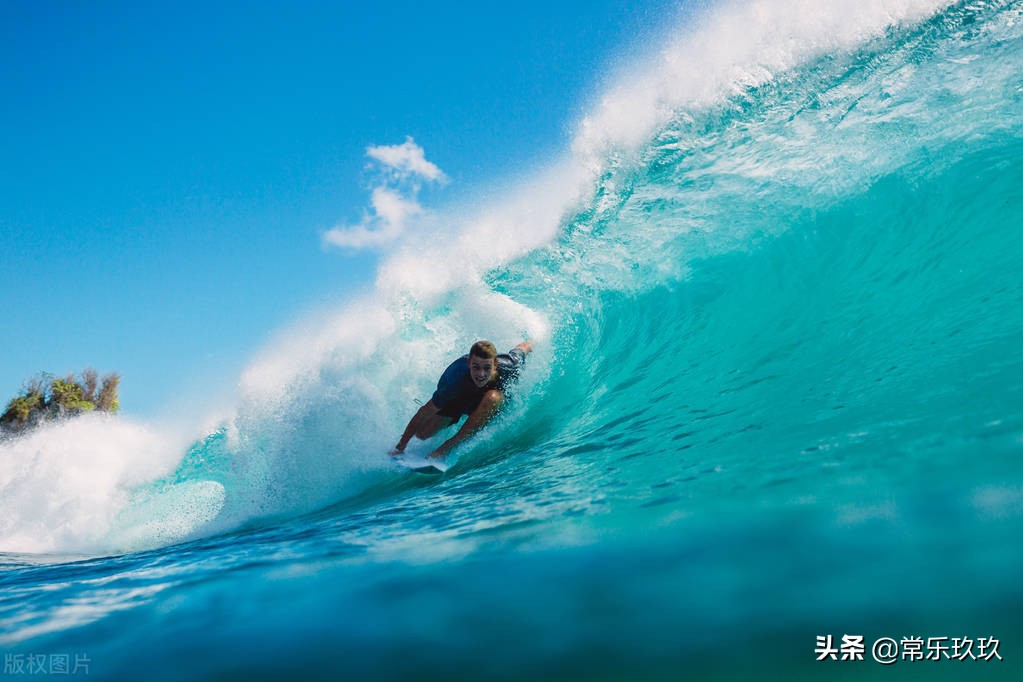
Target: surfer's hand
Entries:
(396, 451)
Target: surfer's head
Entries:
(483, 363)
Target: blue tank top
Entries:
(457, 395)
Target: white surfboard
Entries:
(420, 464)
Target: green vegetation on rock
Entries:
(46, 398)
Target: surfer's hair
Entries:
(483, 350)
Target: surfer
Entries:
(472, 385)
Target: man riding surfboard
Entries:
(472, 385)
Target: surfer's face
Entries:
(481, 370)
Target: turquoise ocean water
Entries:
(777, 395)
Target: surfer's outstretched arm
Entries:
(492, 400)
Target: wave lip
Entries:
(731, 48)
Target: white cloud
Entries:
(406, 160)
(393, 202)
(390, 212)
(392, 208)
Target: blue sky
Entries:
(167, 172)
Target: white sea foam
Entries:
(62, 485)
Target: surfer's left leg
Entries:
(424, 424)
(429, 426)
